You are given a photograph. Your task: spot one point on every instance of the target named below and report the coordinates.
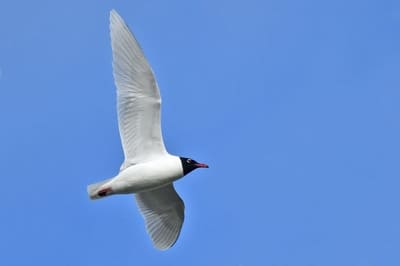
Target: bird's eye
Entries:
(189, 160)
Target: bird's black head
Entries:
(189, 165)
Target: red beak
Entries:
(201, 165)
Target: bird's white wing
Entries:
(138, 96)
(163, 212)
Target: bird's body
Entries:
(142, 177)
(148, 170)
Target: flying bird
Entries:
(148, 170)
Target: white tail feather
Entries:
(93, 189)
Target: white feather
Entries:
(138, 97)
(163, 212)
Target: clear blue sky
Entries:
(295, 105)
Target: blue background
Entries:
(293, 104)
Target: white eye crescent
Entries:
(189, 160)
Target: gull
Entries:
(148, 170)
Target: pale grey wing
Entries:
(163, 213)
(138, 96)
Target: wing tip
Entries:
(113, 13)
(165, 246)
(115, 17)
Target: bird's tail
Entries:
(95, 190)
